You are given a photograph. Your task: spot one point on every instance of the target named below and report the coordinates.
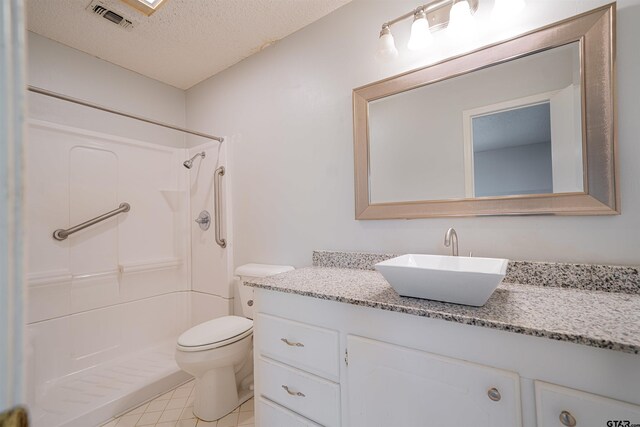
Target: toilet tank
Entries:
(246, 273)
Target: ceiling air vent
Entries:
(110, 14)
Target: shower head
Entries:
(189, 163)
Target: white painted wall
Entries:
(288, 109)
(62, 69)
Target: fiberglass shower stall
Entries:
(111, 248)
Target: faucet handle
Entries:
(470, 254)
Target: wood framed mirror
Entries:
(522, 127)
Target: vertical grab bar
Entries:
(217, 207)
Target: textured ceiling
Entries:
(184, 41)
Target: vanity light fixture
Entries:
(386, 45)
(420, 32)
(456, 15)
(461, 21)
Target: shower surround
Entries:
(107, 303)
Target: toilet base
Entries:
(246, 395)
(216, 394)
(223, 377)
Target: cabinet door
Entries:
(581, 409)
(273, 415)
(389, 385)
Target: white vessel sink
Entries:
(460, 280)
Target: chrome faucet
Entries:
(450, 236)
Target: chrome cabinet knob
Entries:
(567, 419)
(494, 394)
(292, 344)
(292, 393)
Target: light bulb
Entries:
(461, 21)
(503, 10)
(420, 33)
(386, 45)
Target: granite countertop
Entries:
(600, 319)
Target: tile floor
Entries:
(175, 409)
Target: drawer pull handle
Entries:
(293, 393)
(292, 344)
(494, 394)
(567, 419)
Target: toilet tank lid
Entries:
(261, 270)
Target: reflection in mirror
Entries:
(512, 152)
(526, 146)
(514, 128)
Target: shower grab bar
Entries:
(217, 207)
(61, 234)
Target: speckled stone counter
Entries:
(608, 320)
(594, 277)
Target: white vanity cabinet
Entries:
(275, 415)
(327, 363)
(564, 406)
(390, 385)
(297, 373)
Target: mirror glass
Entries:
(510, 129)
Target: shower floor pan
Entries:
(93, 396)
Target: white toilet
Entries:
(219, 353)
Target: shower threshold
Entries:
(95, 395)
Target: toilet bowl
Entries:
(219, 352)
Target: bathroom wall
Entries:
(62, 69)
(288, 109)
(123, 285)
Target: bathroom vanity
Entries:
(338, 347)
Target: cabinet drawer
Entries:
(588, 410)
(303, 346)
(272, 415)
(308, 395)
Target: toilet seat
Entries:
(215, 333)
